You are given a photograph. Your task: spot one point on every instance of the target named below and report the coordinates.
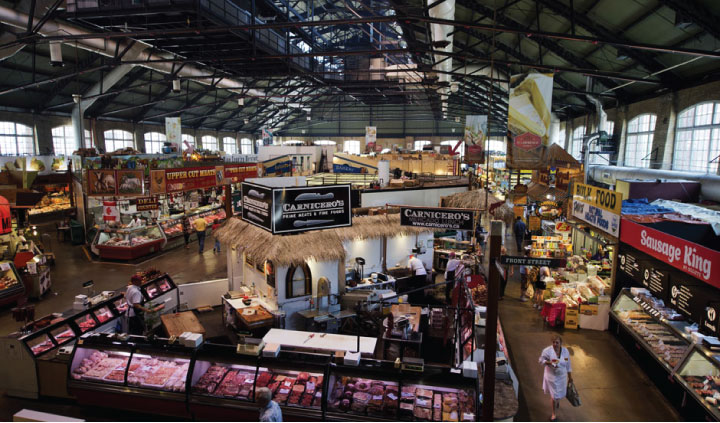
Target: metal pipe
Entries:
(709, 189)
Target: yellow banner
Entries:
(599, 197)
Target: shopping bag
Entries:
(529, 291)
(572, 395)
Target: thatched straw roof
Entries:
(476, 200)
(556, 156)
(322, 245)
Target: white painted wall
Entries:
(268, 152)
(279, 181)
(429, 197)
(369, 249)
(400, 248)
(328, 269)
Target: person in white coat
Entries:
(558, 372)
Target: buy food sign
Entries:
(598, 207)
(599, 197)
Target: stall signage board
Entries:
(688, 299)
(257, 205)
(710, 319)
(534, 223)
(146, 203)
(599, 197)
(298, 209)
(239, 172)
(532, 261)
(186, 179)
(630, 265)
(439, 218)
(598, 217)
(656, 280)
(687, 256)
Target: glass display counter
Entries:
(11, 285)
(128, 244)
(172, 226)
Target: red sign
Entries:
(185, 179)
(110, 211)
(240, 172)
(528, 141)
(687, 256)
(474, 153)
(562, 227)
(5, 216)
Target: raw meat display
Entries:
(64, 336)
(164, 286)
(364, 396)
(210, 380)
(661, 340)
(43, 346)
(85, 323)
(121, 305)
(157, 373)
(7, 282)
(103, 315)
(101, 366)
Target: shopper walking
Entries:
(200, 225)
(504, 278)
(269, 410)
(216, 248)
(186, 231)
(558, 372)
(524, 280)
(519, 230)
(539, 285)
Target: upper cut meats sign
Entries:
(687, 256)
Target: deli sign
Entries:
(687, 256)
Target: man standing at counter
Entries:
(136, 311)
(419, 279)
(269, 410)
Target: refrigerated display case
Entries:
(665, 340)
(700, 376)
(136, 374)
(172, 226)
(377, 391)
(11, 285)
(128, 244)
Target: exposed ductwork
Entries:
(710, 184)
(443, 64)
(109, 47)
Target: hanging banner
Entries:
(173, 131)
(267, 136)
(309, 208)
(475, 129)
(5, 216)
(239, 172)
(257, 205)
(130, 182)
(190, 178)
(529, 107)
(687, 256)
(101, 182)
(157, 182)
(110, 211)
(440, 218)
(370, 135)
(146, 203)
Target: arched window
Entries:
(116, 139)
(351, 147)
(324, 142)
(208, 142)
(460, 150)
(154, 142)
(64, 140)
(246, 146)
(16, 139)
(697, 139)
(638, 142)
(418, 146)
(229, 145)
(190, 140)
(576, 142)
(298, 282)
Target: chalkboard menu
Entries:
(688, 298)
(656, 280)
(630, 265)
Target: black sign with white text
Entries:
(257, 205)
(440, 218)
(298, 209)
(630, 265)
(532, 261)
(656, 280)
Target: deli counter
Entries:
(214, 382)
(128, 244)
(660, 340)
(172, 226)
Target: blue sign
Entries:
(345, 168)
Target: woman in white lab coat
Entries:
(558, 372)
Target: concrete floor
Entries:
(611, 385)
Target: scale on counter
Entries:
(413, 364)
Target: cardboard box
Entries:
(571, 318)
